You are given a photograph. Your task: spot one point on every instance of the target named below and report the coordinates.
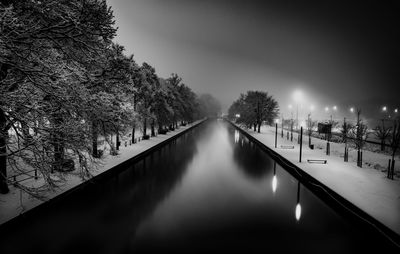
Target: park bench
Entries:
(317, 161)
(287, 147)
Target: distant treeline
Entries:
(64, 83)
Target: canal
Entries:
(211, 189)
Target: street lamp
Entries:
(291, 123)
(291, 109)
(298, 98)
(334, 110)
(310, 126)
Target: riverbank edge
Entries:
(114, 170)
(330, 197)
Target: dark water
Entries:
(209, 190)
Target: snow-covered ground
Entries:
(17, 201)
(368, 187)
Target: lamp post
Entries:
(310, 126)
(298, 98)
(291, 123)
(359, 137)
(334, 108)
(309, 129)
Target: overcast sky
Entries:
(336, 54)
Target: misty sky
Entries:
(337, 54)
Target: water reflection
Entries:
(254, 162)
(237, 135)
(274, 180)
(298, 206)
(213, 194)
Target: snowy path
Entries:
(367, 187)
(17, 202)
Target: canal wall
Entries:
(361, 194)
(18, 204)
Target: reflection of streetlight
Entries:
(384, 108)
(298, 206)
(352, 110)
(274, 179)
(236, 136)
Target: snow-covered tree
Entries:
(254, 108)
(394, 144)
(43, 44)
(146, 84)
(359, 134)
(382, 133)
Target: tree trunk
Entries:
(259, 126)
(117, 139)
(58, 145)
(153, 132)
(95, 153)
(25, 134)
(255, 127)
(160, 127)
(382, 145)
(144, 126)
(3, 154)
(133, 134)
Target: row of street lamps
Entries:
(335, 109)
(298, 98)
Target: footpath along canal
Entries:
(211, 189)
